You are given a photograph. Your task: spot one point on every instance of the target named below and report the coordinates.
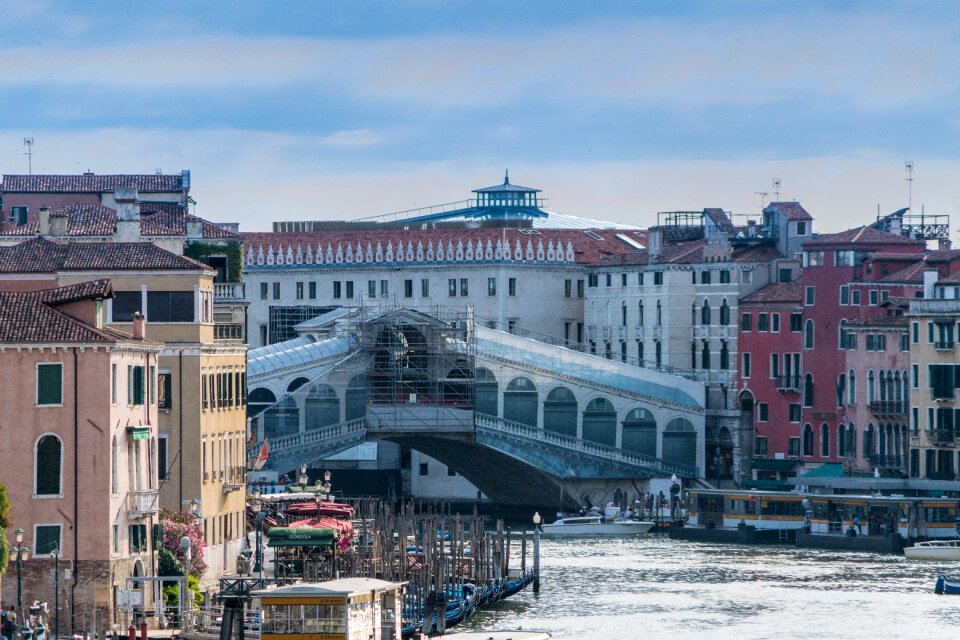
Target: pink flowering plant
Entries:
(177, 524)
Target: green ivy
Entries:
(5, 523)
(233, 250)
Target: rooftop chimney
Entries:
(930, 277)
(128, 215)
(138, 325)
(44, 223)
(194, 229)
(654, 245)
(58, 225)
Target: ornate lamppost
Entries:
(537, 519)
(19, 554)
(304, 478)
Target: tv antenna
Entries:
(908, 165)
(776, 189)
(28, 143)
(763, 198)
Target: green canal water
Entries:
(652, 587)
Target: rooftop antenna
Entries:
(776, 189)
(28, 143)
(763, 198)
(908, 165)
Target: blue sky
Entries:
(306, 110)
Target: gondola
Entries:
(945, 586)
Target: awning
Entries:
(827, 470)
(138, 433)
(773, 465)
(300, 537)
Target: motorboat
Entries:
(594, 525)
(943, 550)
(946, 586)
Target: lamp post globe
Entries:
(18, 535)
(326, 476)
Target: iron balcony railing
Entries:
(944, 436)
(888, 408)
(494, 423)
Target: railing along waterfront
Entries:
(499, 425)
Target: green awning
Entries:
(773, 465)
(138, 433)
(300, 537)
(827, 470)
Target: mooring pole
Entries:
(536, 552)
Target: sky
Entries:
(616, 110)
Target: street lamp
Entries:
(537, 519)
(56, 588)
(304, 478)
(19, 554)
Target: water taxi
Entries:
(594, 525)
(942, 550)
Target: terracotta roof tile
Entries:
(90, 183)
(781, 292)
(865, 235)
(40, 255)
(790, 210)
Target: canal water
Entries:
(653, 587)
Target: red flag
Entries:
(262, 456)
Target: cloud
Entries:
(353, 138)
(257, 177)
(873, 60)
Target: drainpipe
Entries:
(180, 410)
(76, 486)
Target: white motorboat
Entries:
(943, 550)
(594, 526)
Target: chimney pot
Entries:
(43, 226)
(138, 325)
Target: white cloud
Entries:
(257, 177)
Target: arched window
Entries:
(659, 313)
(296, 384)
(853, 386)
(724, 355)
(882, 378)
(680, 442)
(808, 335)
(49, 465)
(808, 390)
(807, 440)
(640, 432)
(623, 313)
(600, 422)
(842, 334)
(824, 440)
(560, 412)
(321, 407)
(640, 314)
(724, 313)
(871, 388)
(485, 392)
(356, 397)
(520, 402)
(705, 313)
(842, 440)
(458, 388)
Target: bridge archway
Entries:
(520, 401)
(321, 407)
(486, 392)
(640, 432)
(356, 397)
(258, 400)
(560, 412)
(282, 419)
(600, 422)
(680, 442)
(296, 384)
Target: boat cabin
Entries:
(345, 609)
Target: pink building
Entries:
(78, 415)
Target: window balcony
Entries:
(228, 291)
(788, 383)
(943, 436)
(944, 345)
(888, 408)
(887, 461)
(142, 504)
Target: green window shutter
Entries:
(138, 385)
(50, 384)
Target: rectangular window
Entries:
(492, 286)
(162, 451)
(350, 289)
(580, 288)
(512, 325)
(46, 539)
(785, 275)
(424, 469)
(452, 287)
(567, 288)
(371, 288)
(724, 276)
(915, 332)
(116, 538)
(705, 277)
(384, 288)
(425, 288)
(904, 342)
(855, 297)
(640, 278)
(845, 258)
(884, 295)
(337, 289)
(592, 280)
(113, 383)
(813, 259)
(930, 332)
(793, 449)
(170, 306)
(50, 383)
(609, 279)
(796, 322)
(760, 446)
(763, 412)
(312, 290)
(263, 335)
(915, 420)
(763, 320)
(299, 291)
(408, 288)
(165, 390)
(915, 375)
(794, 413)
(746, 322)
(844, 294)
(276, 290)
(135, 385)
(774, 365)
(125, 304)
(512, 287)
(874, 297)
(623, 279)
(264, 291)
(809, 295)
(658, 277)
(151, 385)
(464, 287)
(801, 227)
(775, 322)
(745, 370)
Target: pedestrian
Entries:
(856, 523)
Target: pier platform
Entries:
(741, 535)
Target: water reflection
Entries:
(650, 587)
